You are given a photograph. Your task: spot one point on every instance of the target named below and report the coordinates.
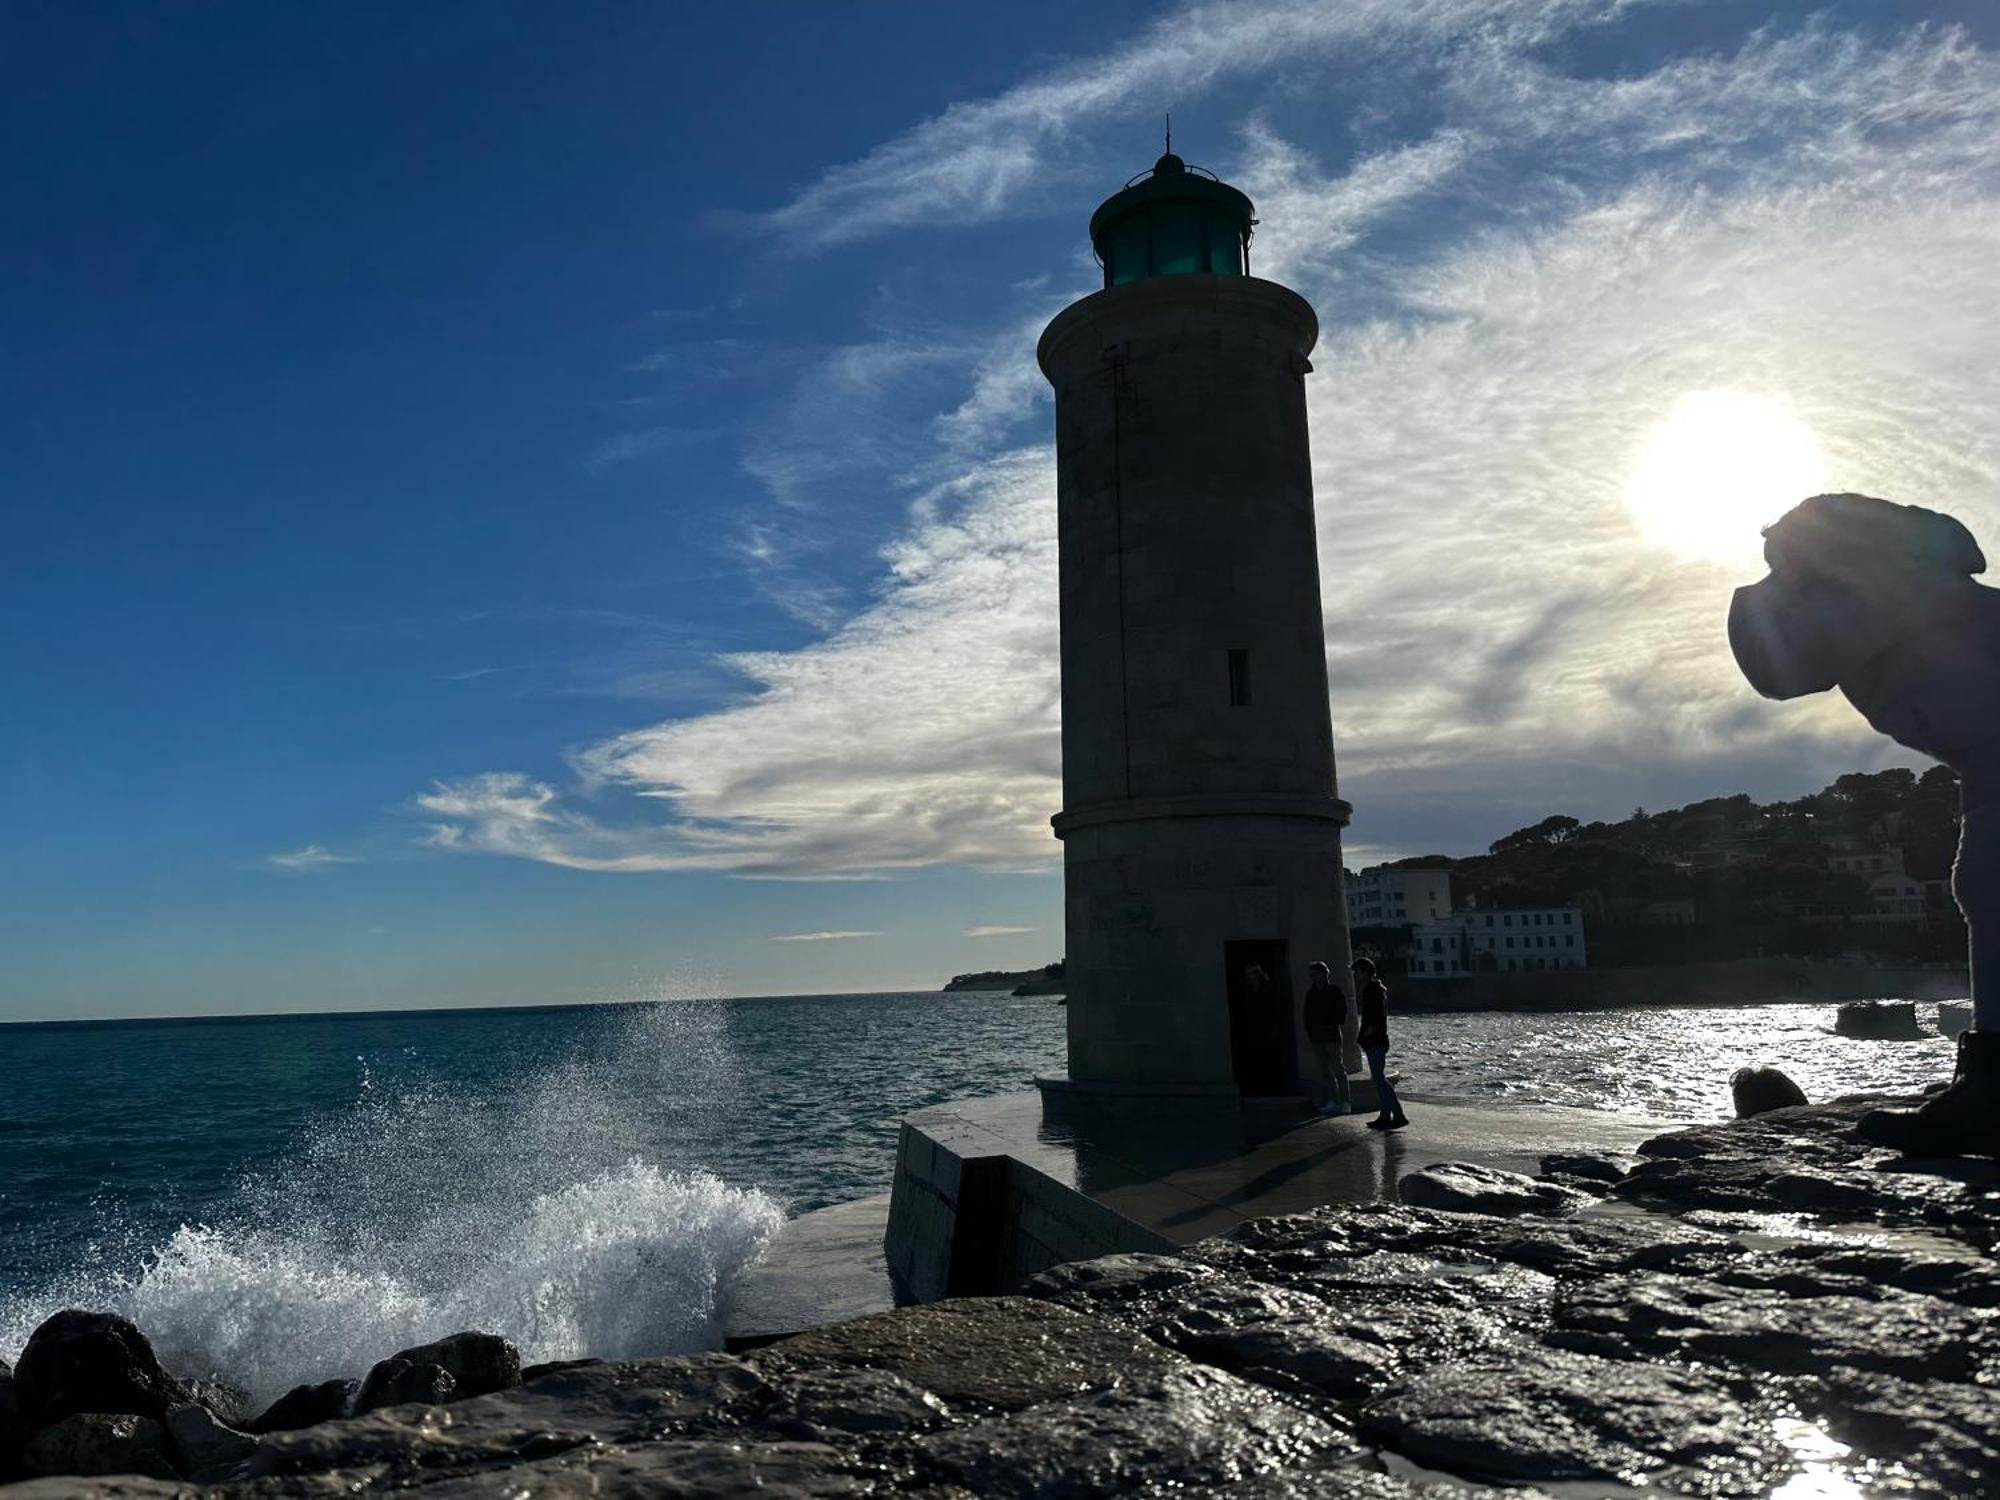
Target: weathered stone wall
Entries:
(1149, 905)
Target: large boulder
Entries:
(478, 1363)
(207, 1450)
(101, 1443)
(306, 1406)
(91, 1362)
(395, 1381)
(1879, 1020)
(1758, 1091)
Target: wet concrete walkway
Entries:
(1186, 1179)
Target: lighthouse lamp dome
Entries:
(1172, 221)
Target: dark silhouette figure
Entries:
(1373, 996)
(1878, 599)
(1324, 1012)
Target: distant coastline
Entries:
(1047, 980)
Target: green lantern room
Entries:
(1175, 220)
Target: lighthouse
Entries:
(1200, 821)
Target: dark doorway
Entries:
(1260, 1017)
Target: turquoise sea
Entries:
(288, 1198)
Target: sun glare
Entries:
(1719, 468)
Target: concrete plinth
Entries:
(991, 1191)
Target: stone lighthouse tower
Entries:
(1200, 824)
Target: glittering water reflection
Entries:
(1670, 1065)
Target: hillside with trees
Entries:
(1733, 878)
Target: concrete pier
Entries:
(989, 1192)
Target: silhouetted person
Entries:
(1373, 997)
(1878, 599)
(1325, 1015)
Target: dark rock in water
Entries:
(1552, 1415)
(91, 1362)
(101, 1443)
(478, 1363)
(1757, 1091)
(395, 1380)
(304, 1405)
(1471, 1188)
(207, 1450)
(231, 1404)
(1588, 1166)
(1879, 1020)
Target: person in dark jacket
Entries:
(1325, 1015)
(1373, 995)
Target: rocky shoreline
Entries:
(1762, 1307)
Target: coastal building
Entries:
(1867, 862)
(1499, 940)
(1391, 895)
(1895, 897)
(1200, 819)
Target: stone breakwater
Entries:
(1761, 1308)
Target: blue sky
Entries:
(527, 502)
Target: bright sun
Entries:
(1721, 467)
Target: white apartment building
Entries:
(1504, 940)
(1384, 897)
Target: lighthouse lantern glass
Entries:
(1177, 221)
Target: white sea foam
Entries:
(428, 1209)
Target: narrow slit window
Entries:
(1239, 679)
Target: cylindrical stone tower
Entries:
(1200, 825)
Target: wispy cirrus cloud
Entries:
(1512, 295)
(979, 159)
(308, 857)
(822, 937)
(996, 931)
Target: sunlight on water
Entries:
(1668, 1065)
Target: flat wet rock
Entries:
(1552, 1415)
(1473, 1188)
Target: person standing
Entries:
(1373, 995)
(1325, 1015)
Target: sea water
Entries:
(277, 1200)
